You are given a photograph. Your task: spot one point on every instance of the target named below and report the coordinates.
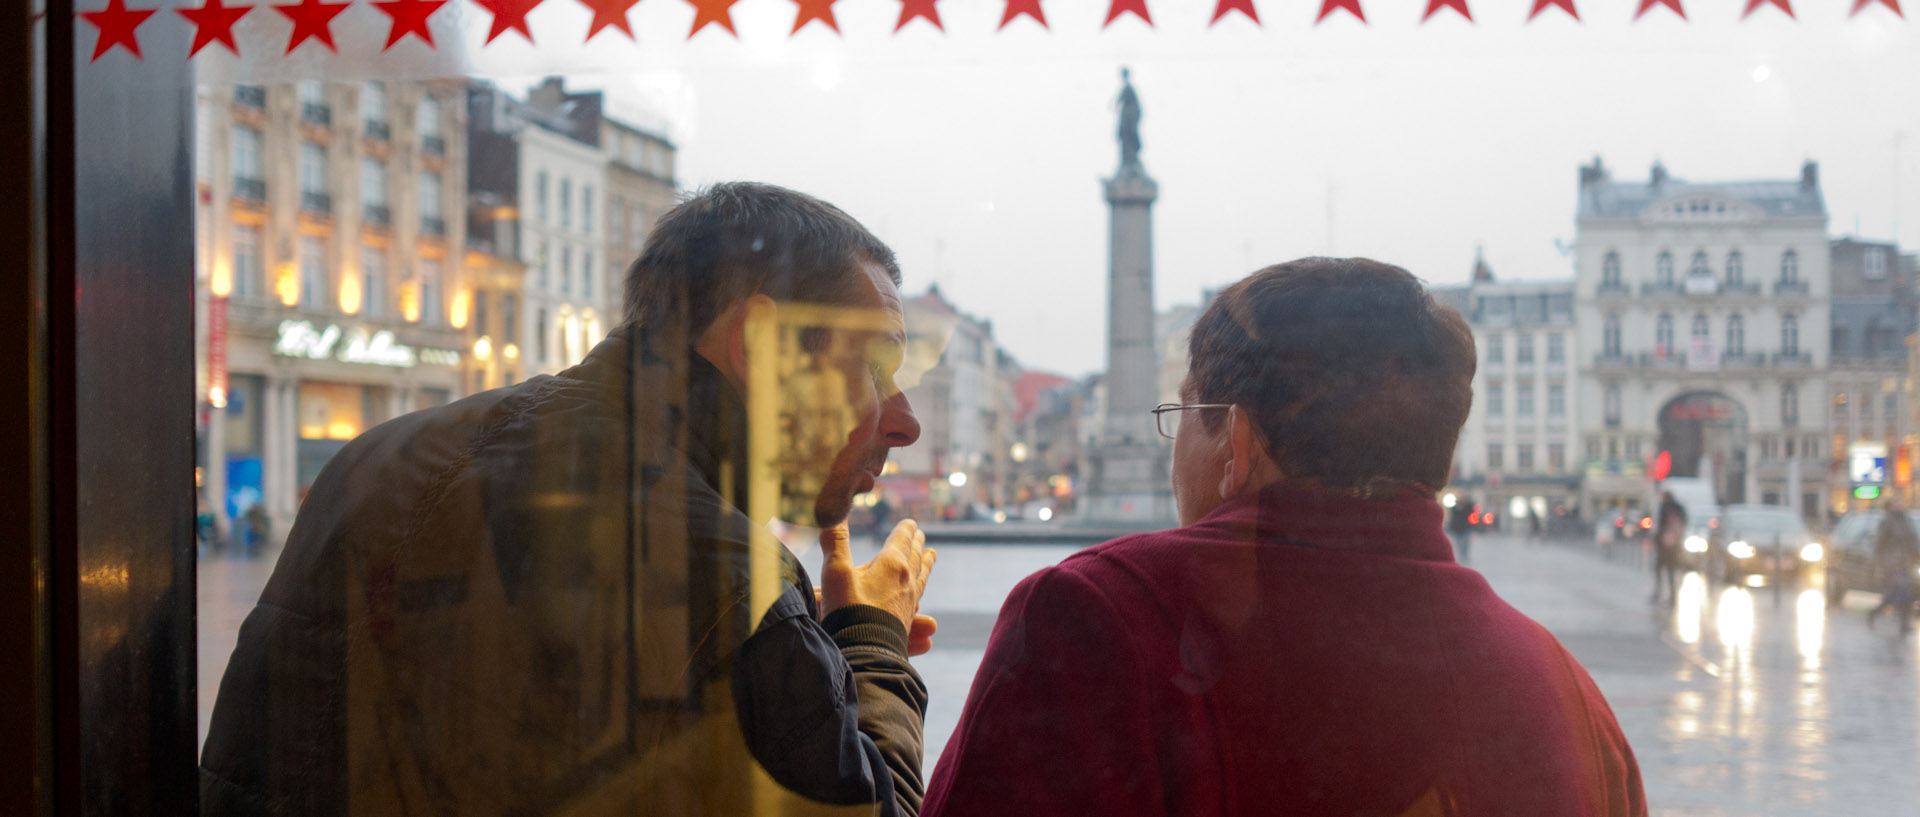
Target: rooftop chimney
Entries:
(1659, 173)
(1810, 174)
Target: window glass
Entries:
(377, 209)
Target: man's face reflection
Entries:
(844, 411)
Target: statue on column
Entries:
(1129, 106)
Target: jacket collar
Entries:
(636, 362)
(1406, 526)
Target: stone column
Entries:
(214, 487)
(1130, 460)
(272, 429)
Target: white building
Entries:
(965, 404)
(1702, 311)
(1517, 452)
(558, 180)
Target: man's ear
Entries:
(1248, 466)
(737, 326)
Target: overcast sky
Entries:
(978, 153)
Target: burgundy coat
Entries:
(1291, 653)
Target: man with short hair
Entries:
(560, 597)
(1305, 643)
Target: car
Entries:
(1849, 562)
(1767, 540)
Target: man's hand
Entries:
(893, 581)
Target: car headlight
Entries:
(1696, 544)
(1813, 552)
(1740, 550)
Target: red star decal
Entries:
(116, 23)
(1137, 8)
(1563, 5)
(1648, 4)
(1860, 4)
(909, 9)
(609, 13)
(1242, 6)
(509, 14)
(1434, 6)
(312, 19)
(712, 11)
(409, 17)
(212, 23)
(1752, 5)
(811, 10)
(1327, 7)
(1031, 8)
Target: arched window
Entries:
(1699, 267)
(1789, 334)
(1610, 270)
(1789, 267)
(1663, 269)
(1663, 336)
(1736, 335)
(1700, 327)
(1736, 269)
(1610, 337)
(1789, 405)
(1612, 405)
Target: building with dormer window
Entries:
(1702, 310)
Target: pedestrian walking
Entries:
(1896, 555)
(1669, 529)
(1460, 528)
(259, 527)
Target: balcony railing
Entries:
(252, 96)
(1613, 288)
(1659, 289)
(1741, 288)
(433, 226)
(1742, 360)
(253, 190)
(1790, 288)
(379, 131)
(433, 145)
(1792, 360)
(376, 215)
(316, 203)
(316, 114)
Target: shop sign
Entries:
(357, 345)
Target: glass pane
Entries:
(480, 534)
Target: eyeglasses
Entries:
(1166, 416)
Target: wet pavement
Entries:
(1737, 701)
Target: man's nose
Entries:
(897, 423)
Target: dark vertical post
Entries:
(120, 374)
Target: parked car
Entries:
(1850, 557)
(1765, 539)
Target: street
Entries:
(1737, 701)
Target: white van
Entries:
(1697, 497)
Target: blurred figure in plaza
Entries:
(1305, 644)
(1460, 527)
(562, 596)
(259, 527)
(1896, 554)
(1669, 531)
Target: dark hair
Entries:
(733, 240)
(1348, 367)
